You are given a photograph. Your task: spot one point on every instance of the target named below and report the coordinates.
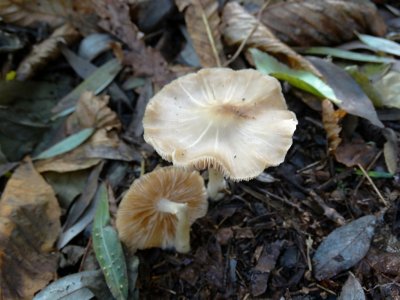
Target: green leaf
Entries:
(301, 79)
(380, 44)
(96, 82)
(67, 144)
(349, 55)
(108, 249)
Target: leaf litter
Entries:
(262, 238)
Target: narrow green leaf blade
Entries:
(301, 79)
(349, 55)
(380, 44)
(108, 249)
(96, 82)
(67, 144)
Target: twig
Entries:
(367, 169)
(329, 212)
(244, 42)
(373, 186)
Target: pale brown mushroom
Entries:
(235, 123)
(160, 207)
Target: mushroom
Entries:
(160, 207)
(235, 123)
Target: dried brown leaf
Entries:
(330, 120)
(202, 21)
(354, 152)
(31, 12)
(46, 51)
(144, 60)
(92, 112)
(329, 22)
(239, 24)
(29, 226)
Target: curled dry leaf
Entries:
(29, 226)
(92, 112)
(202, 21)
(330, 120)
(350, 153)
(343, 247)
(239, 24)
(46, 51)
(31, 12)
(391, 150)
(319, 23)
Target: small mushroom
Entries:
(235, 123)
(160, 207)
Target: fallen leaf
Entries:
(322, 23)
(343, 247)
(102, 145)
(92, 112)
(380, 44)
(265, 264)
(145, 61)
(391, 150)
(344, 54)
(203, 24)
(384, 262)
(352, 290)
(353, 99)
(29, 226)
(86, 197)
(239, 24)
(68, 285)
(301, 79)
(67, 144)
(354, 152)
(43, 53)
(95, 83)
(108, 248)
(330, 120)
(389, 89)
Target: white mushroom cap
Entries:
(234, 121)
(160, 207)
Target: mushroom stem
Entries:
(182, 234)
(216, 183)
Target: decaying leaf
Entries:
(353, 99)
(352, 289)
(52, 12)
(389, 89)
(29, 226)
(92, 112)
(391, 150)
(46, 51)
(355, 152)
(320, 23)
(384, 262)
(330, 120)
(144, 60)
(239, 24)
(203, 24)
(343, 247)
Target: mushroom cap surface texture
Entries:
(234, 121)
(139, 222)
